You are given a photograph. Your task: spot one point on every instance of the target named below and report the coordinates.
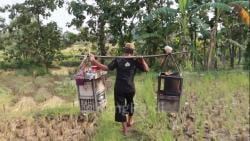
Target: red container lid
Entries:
(95, 68)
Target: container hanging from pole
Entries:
(91, 89)
(169, 89)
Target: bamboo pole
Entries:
(137, 56)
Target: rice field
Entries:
(214, 107)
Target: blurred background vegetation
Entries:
(213, 32)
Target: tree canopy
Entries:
(213, 32)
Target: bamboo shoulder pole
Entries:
(138, 56)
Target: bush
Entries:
(25, 68)
(32, 70)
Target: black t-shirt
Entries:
(125, 72)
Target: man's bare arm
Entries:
(144, 64)
(97, 63)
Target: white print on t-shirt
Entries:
(127, 64)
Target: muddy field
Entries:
(60, 128)
(218, 111)
(215, 125)
(41, 109)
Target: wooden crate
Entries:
(169, 92)
(167, 103)
(91, 94)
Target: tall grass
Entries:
(218, 102)
(216, 99)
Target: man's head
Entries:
(129, 48)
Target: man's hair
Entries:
(129, 48)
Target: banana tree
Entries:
(172, 26)
(219, 8)
(190, 18)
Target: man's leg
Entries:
(130, 108)
(120, 111)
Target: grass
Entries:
(217, 102)
(145, 116)
(66, 88)
(215, 99)
(55, 111)
(5, 97)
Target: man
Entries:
(124, 90)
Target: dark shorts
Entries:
(124, 104)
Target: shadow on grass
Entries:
(137, 135)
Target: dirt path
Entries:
(146, 127)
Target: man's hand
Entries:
(141, 59)
(96, 63)
(144, 64)
(91, 58)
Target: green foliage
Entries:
(188, 66)
(213, 41)
(119, 16)
(66, 89)
(69, 39)
(53, 112)
(219, 5)
(154, 31)
(32, 70)
(2, 26)
(96, 23)
(27, 40)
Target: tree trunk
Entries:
(223, 57)
(215, 59)
(101, 38)
(204, 54)
(239, 56)
(232, 54)
(193, 41)
(195, 46)
(191, 36)
(212, 45)
(213, 40)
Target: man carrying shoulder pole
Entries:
(124, 89)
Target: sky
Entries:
(60, 16)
